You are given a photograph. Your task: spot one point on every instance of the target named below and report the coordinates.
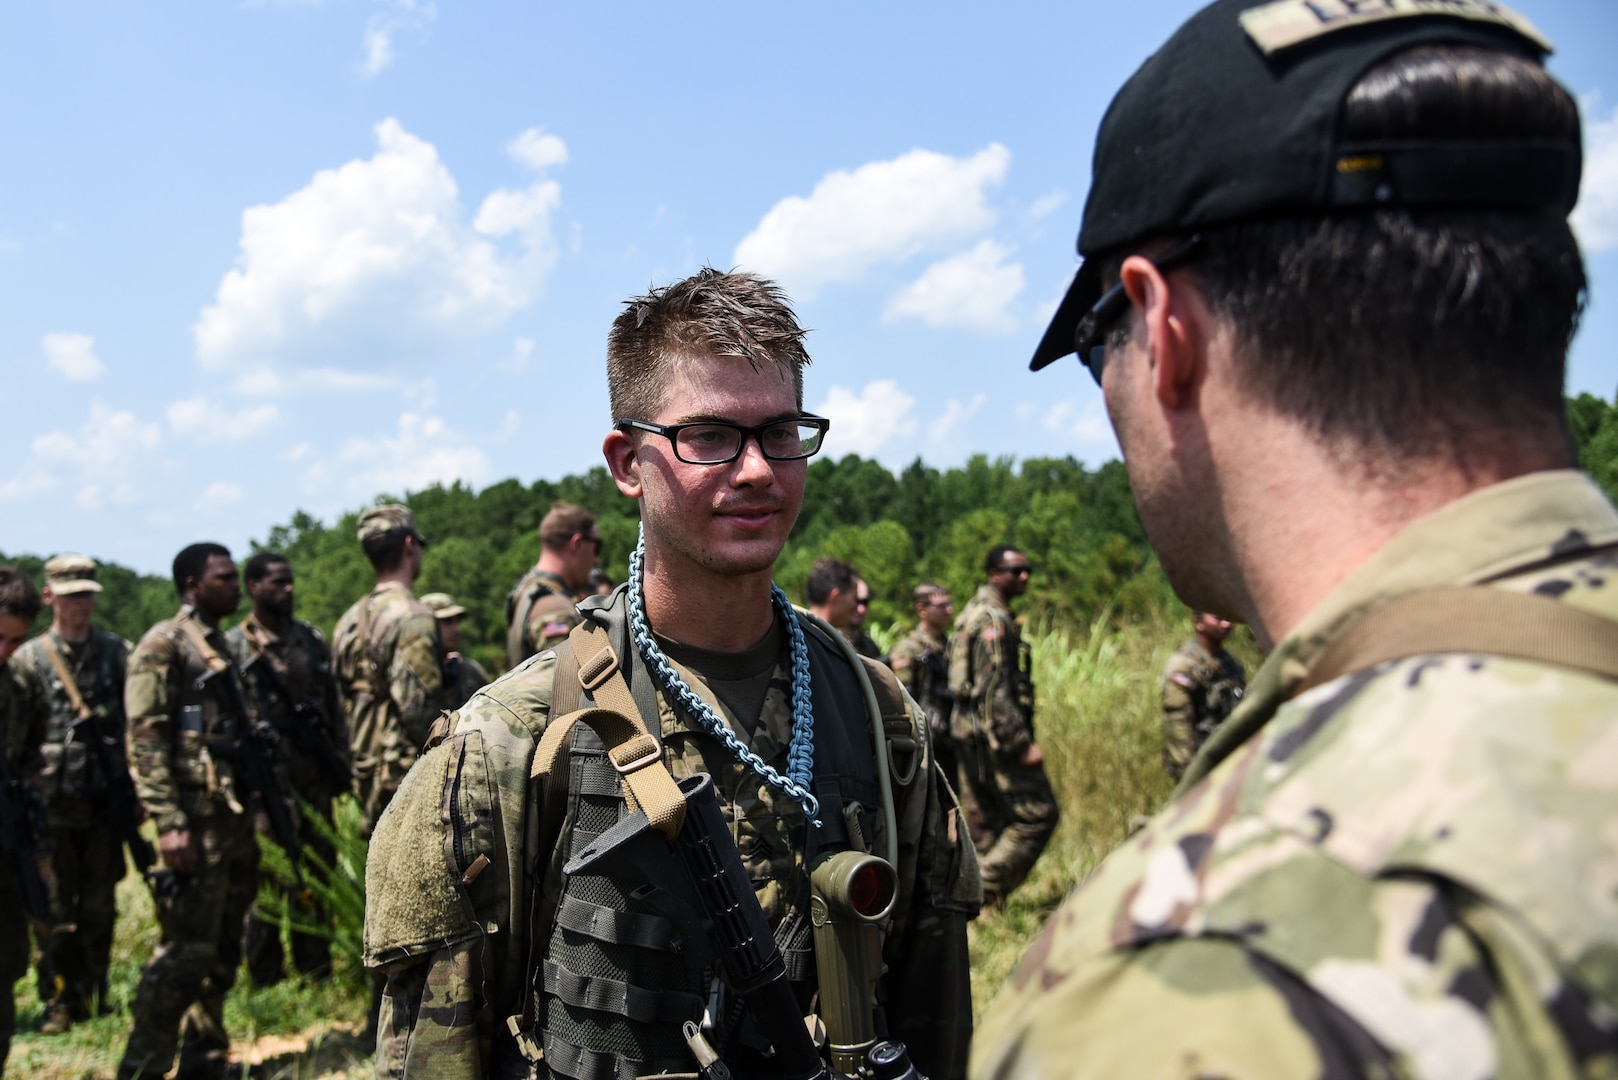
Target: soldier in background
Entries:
(921, 661)
(1328, 290)
(833, 592)
(287, 674)
(182, 721)
(864, 644)
(1201, 685)
(463, 676)
(600, 584)
(389, 661)
(76, 673)
(539, 611)
(22, 730)
(1008, 797)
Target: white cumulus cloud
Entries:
(954, 415)
(881, 212)
(73, 356)
(379, 43)
(208, 421)
(863, 423)
(421, 452)
(1595, 219)
(217, 495)
(103, 461)
(969, 291)
(1085, 422)
(372, 265)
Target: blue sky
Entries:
(288, 255)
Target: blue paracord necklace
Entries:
(800, 752)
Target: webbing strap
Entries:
(199, 641)
(1485, 621)
(566, 1059)
(69, 685)
(645, 931)
(619, 998)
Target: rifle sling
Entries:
(69, 685)
(1481, 621)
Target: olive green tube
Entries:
(851, 895)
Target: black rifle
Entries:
(699, 883)
(114, 795)
(22, 833)
(310, 727)
(253, 749)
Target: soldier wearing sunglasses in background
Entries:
(1009, 801)
(498, 964)
(1334, 359)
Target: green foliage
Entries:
(336, 886)
(1594, 426)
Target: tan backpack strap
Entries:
(199, 641)
(1479, 620)
(634, 752)
(74, 698)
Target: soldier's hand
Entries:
(178, 854)
(1033, 755)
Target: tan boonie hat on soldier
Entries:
(69, 574)
(443, 605)
(387, 517)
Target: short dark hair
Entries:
(258, 567)
(562, 522)
(1410, 334)
(385, 549)
(18, 595)
(192, 562)
(828, 574)
(997, 555)
(926, 593)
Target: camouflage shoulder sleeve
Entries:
(903, 662)
(1179, 714)
(151, 694)
(550, 619)
(416, 675)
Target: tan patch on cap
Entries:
(1285, 23)
(69, 574)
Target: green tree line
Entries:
(1077, 525)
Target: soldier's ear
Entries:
(623, 461)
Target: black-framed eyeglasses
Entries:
(1090, 335)
(1024, 570)
(714, 442)
(596, 540)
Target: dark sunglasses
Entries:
(1091, 333)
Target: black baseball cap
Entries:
(1236, 117)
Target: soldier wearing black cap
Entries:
(1328, 288)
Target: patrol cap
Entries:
(1236, 117)
(443, 605)
(387, 517)
(69, 574)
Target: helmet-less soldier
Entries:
(77, 672)
(186, 723)
(1334, 360)
(504, 966)
(287, 674)
(921, 662)
(1202, 683)
(540, 611)
(1003, 783)
(22, 730)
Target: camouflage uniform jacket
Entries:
(986, 674)
(545, 603)
(174, 716)
(302, 660)
(1403, 872)
(455, 939)
(391, 683)
(71, 772)
(22, 724)
(921, 663)
(1200, 688)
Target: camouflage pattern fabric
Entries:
(1011, 806)
(1200, 689)
(551, 614)
(87, 856)
(456, 954)
(173, 719)
(463, 677)
(1397, 873)
(22, 730)
(920, 661)
(302, 660)
(392, 687)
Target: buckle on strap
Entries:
(635, 754)
(595, 670)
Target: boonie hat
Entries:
(69, 574)
(387, 517)
(1236, 117)
(443, 605)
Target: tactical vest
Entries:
(613, 982)
(201, 723)
(70, 769)
(519, 602)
